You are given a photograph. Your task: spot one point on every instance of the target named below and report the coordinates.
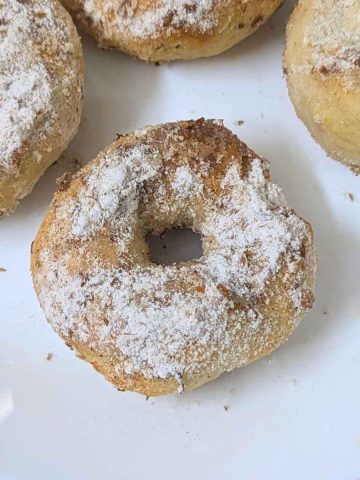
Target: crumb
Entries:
(351, 196)
(63, 182)
(164, 246)
(120, 389)
(325, 312)
(226, 408)
(49, 356)
(76, 163)
(147, 398)
(3, 269)
(157, 64)
(239, 122)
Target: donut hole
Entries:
(174, 245)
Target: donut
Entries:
(322, 64)
(164, 30)
(160, 329)
(41, 84)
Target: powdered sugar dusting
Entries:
(333, 36)
(186, 183)
(164, 15)
(26, 98)
(27, 86)
(168, 321)
(247, 233)
(112, 188)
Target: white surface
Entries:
(293, 415)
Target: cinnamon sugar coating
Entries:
(157, 329)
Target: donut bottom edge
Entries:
(181, 44)
(154, 387)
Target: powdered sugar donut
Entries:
(322, 61)
(164, 30)
(41, 81)
(157, 329)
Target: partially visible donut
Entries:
(164, 30)
(152, 328)
(41, 82)
(322, 63)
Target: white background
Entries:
(293, 415)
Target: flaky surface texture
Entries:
(159, 329)
(164, 30)
(41, 90)
(322, 62)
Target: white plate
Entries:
(293, 415)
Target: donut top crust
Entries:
(99, 287)
(332, 39)
(153, 18)
(36, 74)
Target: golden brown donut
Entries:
(322, 62)
(158, 329)
(41, 82)
(164, 30)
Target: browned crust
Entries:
(235, 21)
(276, 305)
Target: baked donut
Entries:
(322, 62)
(164, 30)
(158, 329)
(41, 82)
